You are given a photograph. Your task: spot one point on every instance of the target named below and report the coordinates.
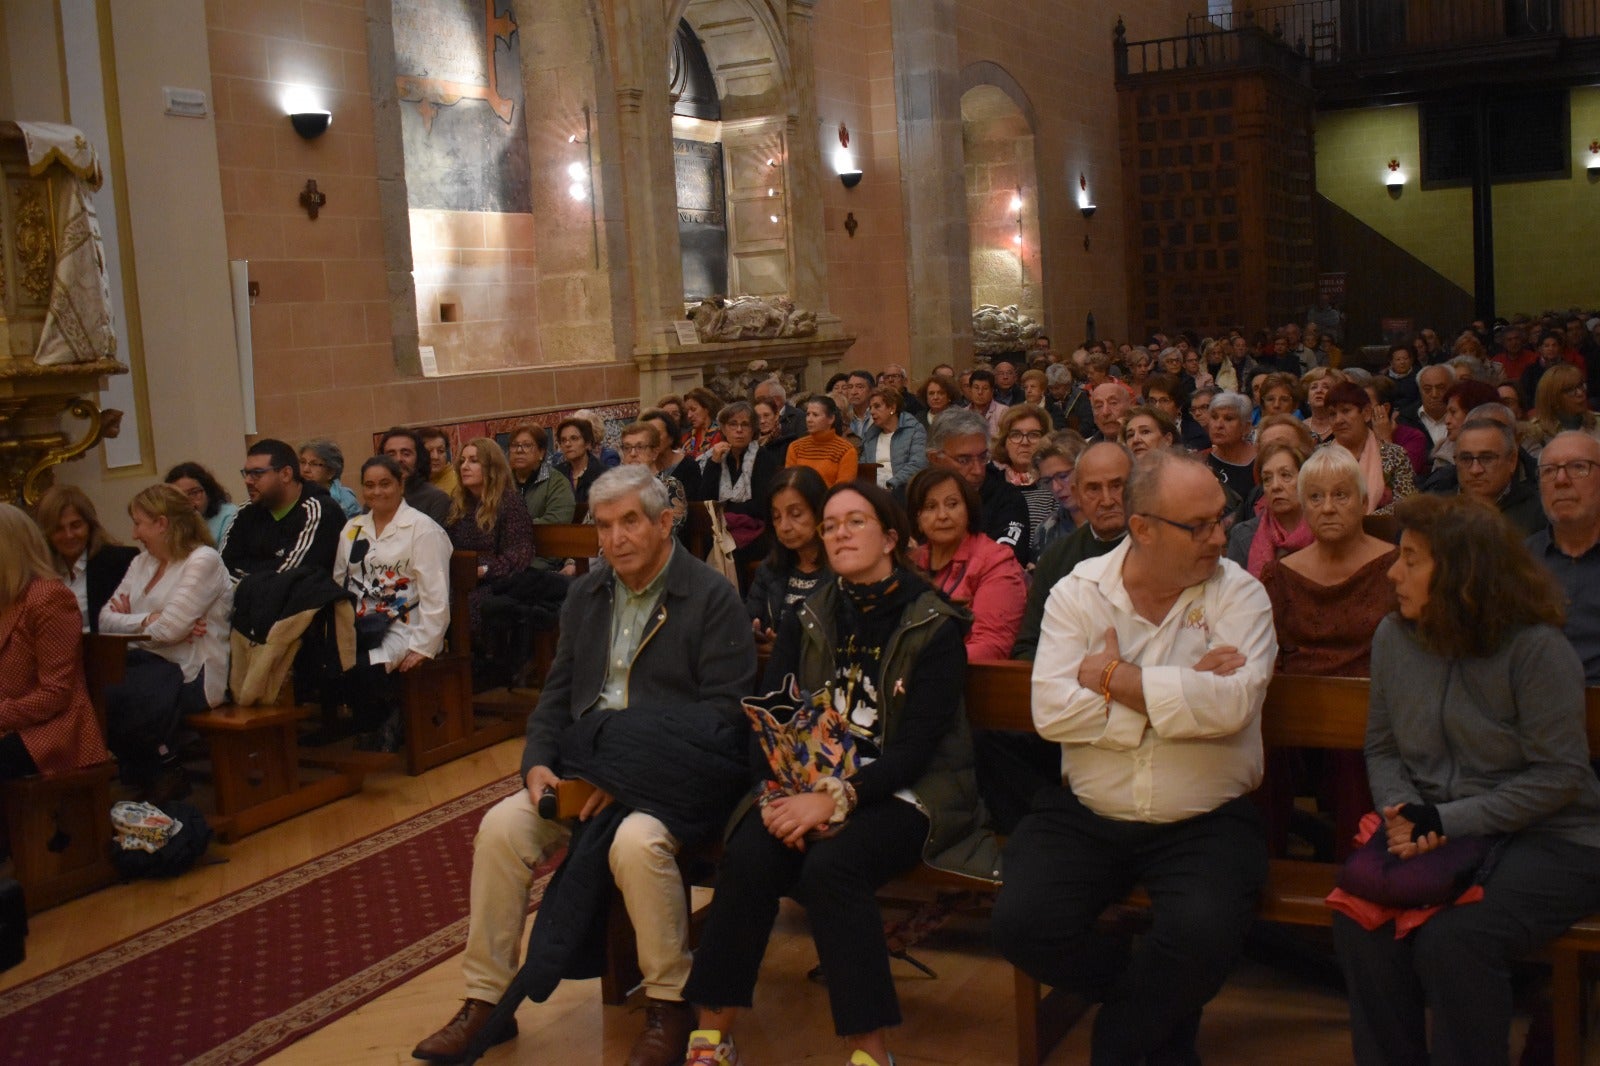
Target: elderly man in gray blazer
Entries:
(655, 623)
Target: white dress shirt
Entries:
(1437, 431)
(405, 573)
(193, 589)
(1200, 743)
(78, 582)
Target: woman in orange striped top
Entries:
(822, 449)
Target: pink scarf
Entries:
(1371, 460)
(1272, 541)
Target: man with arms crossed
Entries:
(1151, 670)
(652, 622)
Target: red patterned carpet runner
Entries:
(238, 979)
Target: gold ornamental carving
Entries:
(28, 454)
(35, 247)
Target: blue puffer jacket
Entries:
(908, 448)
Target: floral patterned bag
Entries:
(804, 740)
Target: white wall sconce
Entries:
(1395, 180)
(844, 163)
(1085, 204)
(1593, 162)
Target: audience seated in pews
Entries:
(822, 448)
(686, 682)
(82, 552)
(886, 649)
(1327, 598)
(959, 441)
(1461, 398)
(178, 596)
(1149, 429)
(671, 459)
(1569, 487)
(1231, 456)
(547, 496)
(939, 394)
(1476, 750)
(1022, 429)
(1054, 461)
(1488, 467)
(737, 473)
(201, 489)
(395, 561)
(698, 421)
(1388, 428)
(576, 439)
(322, 464)
(405, 447)
(791, 419)
(797, 565)
(964, 565)
(1159, 755)
(1561, 404)
(893, 439)
(46, 720)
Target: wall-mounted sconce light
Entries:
(1395, 180)
(308, 119)
(1088, 210)
(844, 163)
(1086, 206)
(1593, 163)
(582, 175)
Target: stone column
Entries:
(808, 269)
(644, 171)
(928, 98)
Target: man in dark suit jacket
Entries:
(652, 625)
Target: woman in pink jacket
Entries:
(969, 568)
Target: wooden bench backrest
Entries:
(463, 579)
(579, 543)
(697, 529)
(867, 472)
(1300, 712)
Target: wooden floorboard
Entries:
(1265, 1015)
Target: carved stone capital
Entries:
(630, 100)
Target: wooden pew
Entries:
(59, 823)
(578, 542)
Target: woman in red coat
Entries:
(46, 720)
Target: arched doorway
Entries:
(1002, 202)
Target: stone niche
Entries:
(47, 413)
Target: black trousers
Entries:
(1065, 864)
(15, 761)
(835, 880)
(143, 712)
(1457, 964)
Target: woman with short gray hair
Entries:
(322, 464)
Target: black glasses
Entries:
(1199, 531)
(250, 473)
(1483, 459)
(1575, 469)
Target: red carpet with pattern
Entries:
(237, 979)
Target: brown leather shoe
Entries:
(449, 1044)
(665, 1040)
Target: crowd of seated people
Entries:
(1158, 527)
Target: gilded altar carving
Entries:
(35, 247)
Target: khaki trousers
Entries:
(511, 841)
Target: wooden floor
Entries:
(1268, 1014)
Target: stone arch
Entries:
(1003, 191)
(746, 46)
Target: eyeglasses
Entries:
(250, 473)
(195, 495)
(975, 459)
(523, 446)
(1483, 459)
(855, 522)
(1575, 469)
(1199, 531)
(637, 449)
(1031, 436)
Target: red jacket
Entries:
(42, 692)
(985, 578)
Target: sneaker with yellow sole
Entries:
(708, 1048)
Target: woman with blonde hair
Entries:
(84, 554)
(176, 594)
(46, 720)
(488, 516)
(1560, 403)
(1317, 382)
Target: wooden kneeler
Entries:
(60, 829)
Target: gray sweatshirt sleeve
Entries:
(1547, 683)
(1387, 776)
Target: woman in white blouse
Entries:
(396, 561)
(177, 595)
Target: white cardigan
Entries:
(404, 574)
(193, 589)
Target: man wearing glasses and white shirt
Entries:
(1151, 670)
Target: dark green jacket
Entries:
(1056, 563)
(947, 792)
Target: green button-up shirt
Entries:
(630, 621)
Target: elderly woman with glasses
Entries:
(641, 445)
(322, 464)
(1022, 429)
(548, 495)
(1560, 403)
